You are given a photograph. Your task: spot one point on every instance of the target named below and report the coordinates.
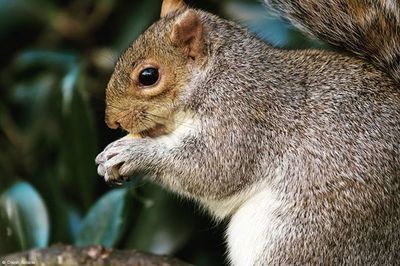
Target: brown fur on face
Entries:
(137, 108)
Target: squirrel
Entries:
(298, 149)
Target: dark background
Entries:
(56, 58)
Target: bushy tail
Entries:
(368, 28)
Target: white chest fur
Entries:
(254, 229)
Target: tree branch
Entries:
(92, 255)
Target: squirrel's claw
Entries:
(109, 171)
(111, 174)
(100, 160)
(115, 162)
(109, 163)
(101, 170)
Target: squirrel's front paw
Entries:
(111, 174)
(115, 163)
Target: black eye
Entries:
(148, 76)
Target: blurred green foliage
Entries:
(56, 58)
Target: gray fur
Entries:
(329, 124)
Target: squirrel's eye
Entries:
(148, 76)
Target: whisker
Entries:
(117, 107)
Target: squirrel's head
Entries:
(142, 94)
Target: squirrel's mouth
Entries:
(182, 121)
(156, 131)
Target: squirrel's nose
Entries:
(113, 124)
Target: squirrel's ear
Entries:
(187, 33)
(169, 6)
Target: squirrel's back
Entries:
(368, 28)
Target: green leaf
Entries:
(58, 115)
(163, 226)
(27, 214)
(31, 58)
(68, 86)
(105, 221)
(34, 95)
(74, 221)
(78, 145)
(9, 240)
